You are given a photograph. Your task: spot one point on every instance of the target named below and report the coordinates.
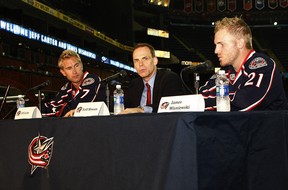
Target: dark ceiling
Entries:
(108, 16)
(191, 32)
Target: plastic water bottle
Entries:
(118, 99)
(20, 102)
(222, 92)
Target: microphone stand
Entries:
(196, 82)
(4, 98)
(14, 107)
(107, 95)
(184, 83)
(106, 81)
(39, 99)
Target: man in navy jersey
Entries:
(81, 87)
(255, 81)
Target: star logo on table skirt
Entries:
(40, 152)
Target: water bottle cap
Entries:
(221, 72)
(118, 86)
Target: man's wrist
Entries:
(141, 108)
(145, 109)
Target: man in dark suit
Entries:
(162, 82)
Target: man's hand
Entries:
(70, 113)
(132, 110)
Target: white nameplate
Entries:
(183, 103)
(91, 109)
(28, 113)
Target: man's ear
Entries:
(240, 43)
(155, 60)
(63, 72)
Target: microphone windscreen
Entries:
(123, 73)
(48, 82)
(209, 65)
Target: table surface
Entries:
(206, 150)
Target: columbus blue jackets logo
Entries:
(88, 81)
(164, 105)
(232, 76)
(258, 62)
(18, 113)
(40, 152)
(79, 109)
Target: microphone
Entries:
(40, 86)
(207, 65)
(121, 73)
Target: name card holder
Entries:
(28, 113)
(183, 103)
(85, 109)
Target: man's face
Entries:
(144, 63)
(226, 47)
(72, 70)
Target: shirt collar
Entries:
(151, 81)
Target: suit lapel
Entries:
(156, 87)
(138, 91)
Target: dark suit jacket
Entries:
(167, 83)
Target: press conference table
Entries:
(167, 151)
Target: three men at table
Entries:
(255, 81)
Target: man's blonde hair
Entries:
(66, 54)
(237, 27)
